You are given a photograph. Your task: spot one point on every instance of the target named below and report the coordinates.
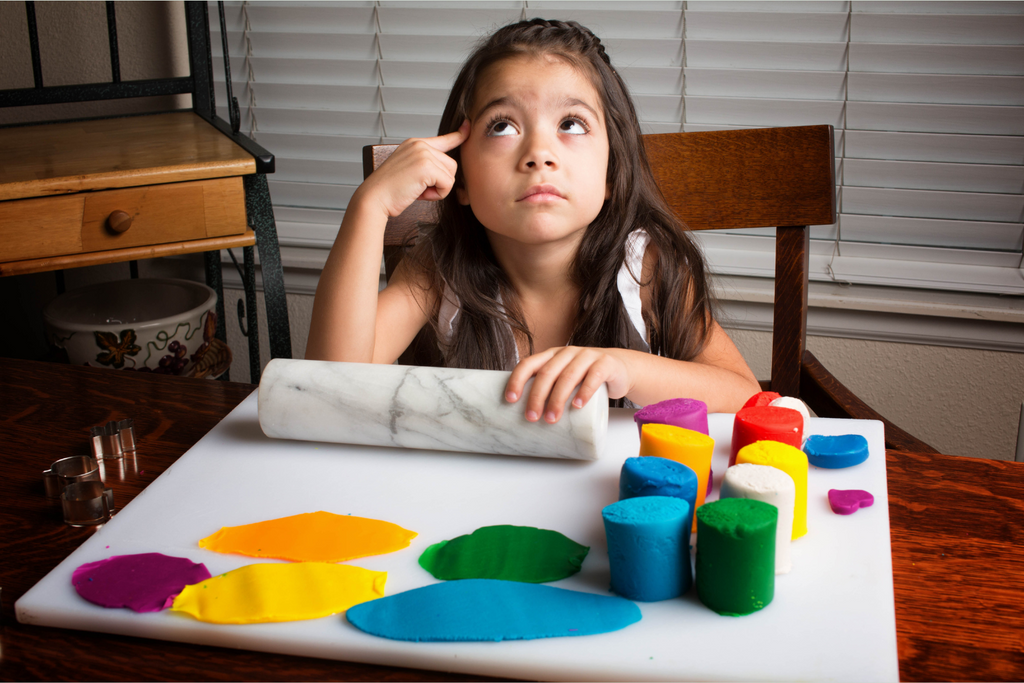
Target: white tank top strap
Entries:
(629, 279)
(447, 313)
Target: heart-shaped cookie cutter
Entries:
(87, 503)
(67, 471)
(113, 439)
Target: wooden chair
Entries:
(782, 177)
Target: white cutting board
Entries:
(832, 617)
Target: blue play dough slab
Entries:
(835, 452)
(491, 610)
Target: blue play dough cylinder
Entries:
(836, 452)
(652, 476)
(649, 547)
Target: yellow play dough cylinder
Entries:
(790, 460)
(687, 446)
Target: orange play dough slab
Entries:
(260, 593)
(311, 537)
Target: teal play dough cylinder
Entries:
(653, 476)
(736, 555)
(648, 547)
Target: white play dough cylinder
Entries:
(772, 486)
(446, 409)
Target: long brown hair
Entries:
(459, 253)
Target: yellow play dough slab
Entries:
(790, 460)
(311, 537)
(260, 593)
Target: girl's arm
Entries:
(718, 376)
(351, 321)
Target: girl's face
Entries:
(536, 161)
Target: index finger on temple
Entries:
(448, 142)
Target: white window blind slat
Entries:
(418, 74)
(802, 26)
(759, 54)
(968, 149)
(305, 71)
(937, 88)
(983, 29)
(1005, 208)
(917, 175)
(935, 118)
(314, 45)
(308, 146)
(927, 232)
(1002, 60)
(810, 85)
(754, 112)
(311, 195)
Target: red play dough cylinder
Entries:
(765, 423)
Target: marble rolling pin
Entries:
(403, 406)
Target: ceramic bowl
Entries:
(148, 325)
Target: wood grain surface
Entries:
(957, 540)
(78, 156)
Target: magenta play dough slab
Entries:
(849, 501)
(491, 610)
(147, 582)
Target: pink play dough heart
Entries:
(848, 502)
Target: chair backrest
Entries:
(768, 177)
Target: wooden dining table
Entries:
(956, 531)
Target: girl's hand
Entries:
(419, 169)
(558, 371)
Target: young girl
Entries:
(553, 255)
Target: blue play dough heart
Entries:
(491, 610)
(835, 452)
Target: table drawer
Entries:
(159, 214)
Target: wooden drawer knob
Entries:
(119, 221)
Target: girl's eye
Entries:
(573, 127)
(501, 128)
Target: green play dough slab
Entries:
(510, 553)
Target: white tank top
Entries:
(628, 282)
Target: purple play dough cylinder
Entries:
(688, 413)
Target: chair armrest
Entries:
(828, 397)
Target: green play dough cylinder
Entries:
(736, 555)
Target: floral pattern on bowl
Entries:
(160, 326)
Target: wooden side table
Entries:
(120, 189)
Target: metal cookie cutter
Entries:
(66, 471)
(87, 503)
(113, 439)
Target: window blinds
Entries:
(927, 99)
(928, 103)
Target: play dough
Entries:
(835, 452)
(768, 485)
(146, 582)
(790, 460)
(653, 476)
(848, 502)
(765, 423)
(688, 413)
(266, 592)
(794, 404)
(762, 398)
(736, 555)
(691, 448)
(311, 537)
(512, 553)
(490, 610)
(649, 547)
